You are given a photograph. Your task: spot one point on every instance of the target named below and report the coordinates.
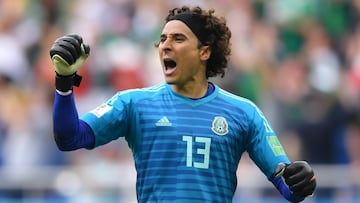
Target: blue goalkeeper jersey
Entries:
(186, 150)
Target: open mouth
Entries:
(169, 64)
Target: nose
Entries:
(165, 45)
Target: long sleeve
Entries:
(284, 189)
(70, 132)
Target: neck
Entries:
(192, 91)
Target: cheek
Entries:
(190, 58)
(159, 52)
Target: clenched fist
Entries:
(68, 53)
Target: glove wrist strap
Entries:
(65, 83)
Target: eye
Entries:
(162, 39)
(179, 39)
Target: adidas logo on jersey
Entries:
(164, 121)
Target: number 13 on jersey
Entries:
(204, 151)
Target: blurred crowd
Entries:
(298, 60)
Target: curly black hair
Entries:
(218, 39)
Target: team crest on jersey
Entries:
(220, 125)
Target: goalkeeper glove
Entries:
(299, 177)
(68, 53)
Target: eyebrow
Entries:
(173, 35)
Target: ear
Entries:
(205, 53)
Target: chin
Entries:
(170, 81)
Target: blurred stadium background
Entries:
(299, 60)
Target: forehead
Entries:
(177, 27)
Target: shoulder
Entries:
(236, 99)
(138, 94)
(240, 104)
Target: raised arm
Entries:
(68, 53)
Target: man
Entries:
(186, 135)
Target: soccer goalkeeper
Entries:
(187, 135)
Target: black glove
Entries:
(300, 178)
(68, 53)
